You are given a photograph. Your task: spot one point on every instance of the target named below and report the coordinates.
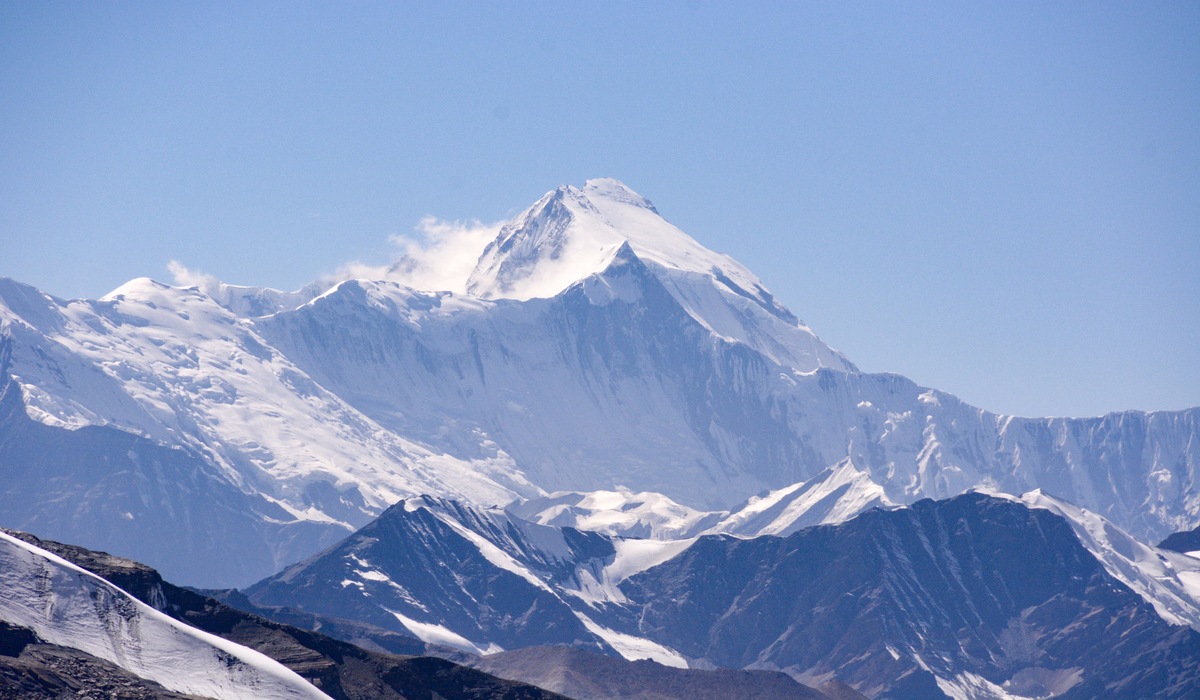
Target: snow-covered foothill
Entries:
(65, 605)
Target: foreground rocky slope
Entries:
(64, 605)
(31, 668)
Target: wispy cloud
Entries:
(438, 256)
(187, 277)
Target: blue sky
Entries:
(999, 201)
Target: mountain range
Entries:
(594, 411)
(980, 596)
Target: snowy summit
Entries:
(571, 233)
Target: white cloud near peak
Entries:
(438, 257)
(187, 277)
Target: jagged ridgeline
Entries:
(976, 596)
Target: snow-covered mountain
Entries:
(972, 597)
(1169, 581)
(620, 513)
(573, 234)
(592, 348)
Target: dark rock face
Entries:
(586, 676)
(973, 595)
(341, 670)
(360, 634)
(972, 585)
(416, 564)
(1188, 541)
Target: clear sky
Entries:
(999, 201)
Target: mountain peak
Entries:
(137, 288)
(571, 233)
(613, 189)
